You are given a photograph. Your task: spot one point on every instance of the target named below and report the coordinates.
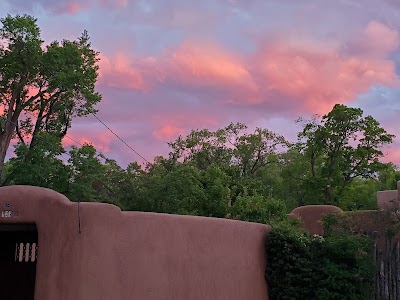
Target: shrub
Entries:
(256, 208)
(300, 266)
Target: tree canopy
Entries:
(231, 172)
(42, 88)
(339, 147)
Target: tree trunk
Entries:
(7, 131)
(5, 140)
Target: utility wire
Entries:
(75, 141)
(109, 129)
(92, 113)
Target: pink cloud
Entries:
(188, 64)
(168, 126)
(314, 73)
(101, 140)
(392, 153)
(379, 39)
(32, 91)
(168, 132)
(319, 76)
(73, 8)
(119, 71)
(208, 64)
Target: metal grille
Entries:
(25, 252)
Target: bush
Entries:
(255, 208)
(289, 271)
(299, 266)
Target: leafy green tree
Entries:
(246, 158)
(254, 151)
(359, 194)
(295, 186)
(339, 147)
(204, 148)
(115, 183)
(43, 168)
(86, 171)
(217, 192)
(42, 88)
(231, 146)
(388, 177)
(256, 208)
(133, 189)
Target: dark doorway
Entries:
(18, 255)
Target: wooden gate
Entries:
(387, 276)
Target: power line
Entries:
(60, 154)
(68, 137)
(92, 113)
(109, 129)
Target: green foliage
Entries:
(216, 187)
(289, 271)
(227, 173)
(360, 194)
(300, 266)
(339, 147)
(42, 88)
(389, 177)
(182, 191)
(231, 147)
(257, 209)
(111, 184)
(85, 170)
(42, 167)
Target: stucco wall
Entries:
(312, 215)
(134, 255)
(388, 199)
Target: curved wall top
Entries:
(95, 251)
(312, 215)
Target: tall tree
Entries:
(244, 157)
(230, 147)
(42, 88)
(341, 146)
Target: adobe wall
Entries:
(312, 215)
(389, 199)
(136, 255)
(371, 222)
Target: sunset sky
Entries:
(169, 66)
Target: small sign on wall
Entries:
(8, 213)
